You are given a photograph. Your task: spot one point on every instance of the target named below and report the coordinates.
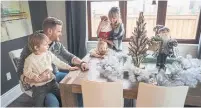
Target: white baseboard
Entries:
(10, 95)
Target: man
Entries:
(52, 27)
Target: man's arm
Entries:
(60, 64)
(83, 65)
(24, 54)
(69, 56)
(72, 58)
(63, 52)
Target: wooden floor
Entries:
(26, 101)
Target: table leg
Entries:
(68, 98)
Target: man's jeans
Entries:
(60, 76)
(52, 101)
(40, 92)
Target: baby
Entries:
(103, 32)
(101, 50)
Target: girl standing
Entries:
(118, 32)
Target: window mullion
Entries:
(161, 13)
(123, 10)
(198, 29)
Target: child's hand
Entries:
(74, 68)
(37, 78)
(45, 73)
(45, 76)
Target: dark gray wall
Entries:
(6, 64)
(38, 11)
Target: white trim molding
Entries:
(10, 95)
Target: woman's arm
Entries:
(109, 42)
(120, 33)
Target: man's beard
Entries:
(57, 39)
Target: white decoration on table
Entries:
(183, 71)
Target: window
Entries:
(183, 19)
(99, 9)
(133, 10)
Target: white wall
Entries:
(184, 49)
(57, 9)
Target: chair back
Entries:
(102, 94)
(157, 96)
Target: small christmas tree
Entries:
(139, 41)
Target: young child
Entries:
(39, 61)
(117, 33)
(104, 28)
(101, 50)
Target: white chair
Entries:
(102, 94)
(15, 56)
(157, 96)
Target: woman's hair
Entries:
(35, 39)
(114, 12)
